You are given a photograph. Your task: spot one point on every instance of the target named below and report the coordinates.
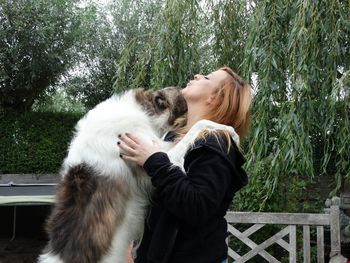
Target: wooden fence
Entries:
(291, 221)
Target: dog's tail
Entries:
(88, 210)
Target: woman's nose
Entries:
(197, 77)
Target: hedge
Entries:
(35, 142)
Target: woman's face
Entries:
(202, 88)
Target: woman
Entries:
(186, 222)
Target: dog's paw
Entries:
(211, 125)
(206, 124)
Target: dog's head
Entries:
(164, 105)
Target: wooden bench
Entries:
(291, 220)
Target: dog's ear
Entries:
(160, 102)
(144, 98)
(142, 95)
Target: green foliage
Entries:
(38, 40)
(59, 101)
(296, 54)
(177, 54)
(91, 79)
(34, 142)
(299, 53)
(164, 55)
(229, 20)
(186, 37)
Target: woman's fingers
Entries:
(125, 149)
(129, 141)
(129, 158)
(129, 146)
(136, 150)
(133, 137)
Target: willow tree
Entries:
(136, 21)
(296, 55)
(299, 52)
(166, 52)
(180, 39)
(229, 20)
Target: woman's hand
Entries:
(135, 150)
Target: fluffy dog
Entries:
(101, 201)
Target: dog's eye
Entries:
(160, 102)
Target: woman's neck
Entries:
(194, 114)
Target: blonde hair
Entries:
(231, 106)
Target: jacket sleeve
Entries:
(194, 196)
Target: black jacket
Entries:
(186, 221)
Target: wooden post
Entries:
(335, 254)
(306, 241)
(320, 244)
(292, 244)
(335, 231)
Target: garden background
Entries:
(60, 58)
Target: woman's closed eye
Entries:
(206, 77)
